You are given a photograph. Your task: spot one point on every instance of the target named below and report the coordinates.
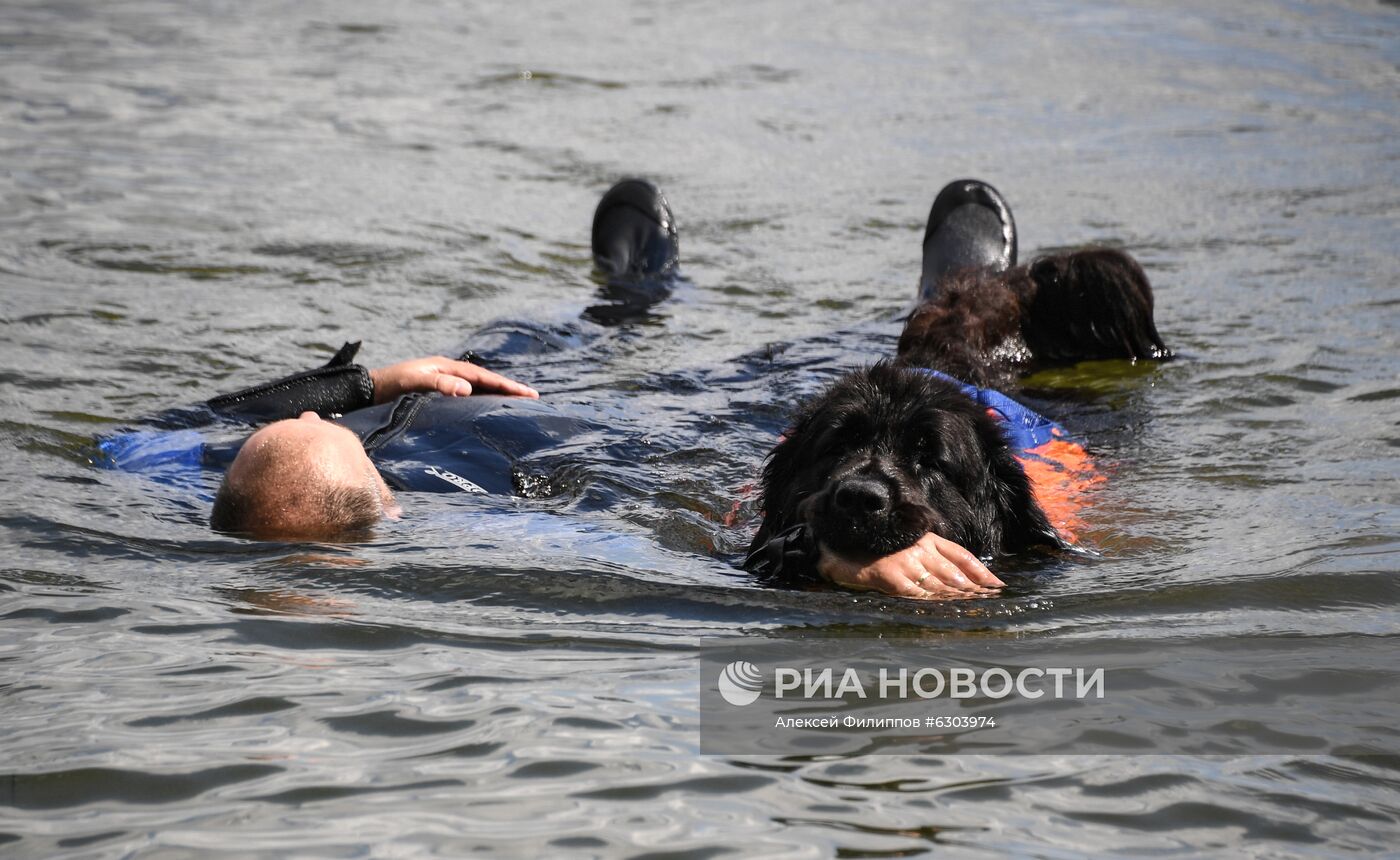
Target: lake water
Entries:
(197, 196)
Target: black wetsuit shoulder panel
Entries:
(427, 442)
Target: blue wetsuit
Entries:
(419, 442)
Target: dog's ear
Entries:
(1020, 523)
(776, 486)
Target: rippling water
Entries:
(199, 195)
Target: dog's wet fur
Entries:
(989, 328)
(888, 452)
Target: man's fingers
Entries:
(946, 594)
(451, 386)
(932, 569)
(448, 377)
(941, 580)
(487, 380)
(945, 573)
(931, 589)
(937, 574)
(965, 562)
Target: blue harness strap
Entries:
(1025, 428)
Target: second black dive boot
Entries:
(969, 227)
(634, 233)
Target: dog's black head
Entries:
(889, 453)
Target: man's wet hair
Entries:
(342, 512)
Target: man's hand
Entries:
(451, 378)
(935, 568)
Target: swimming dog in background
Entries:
(922, 445)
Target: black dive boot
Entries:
(635, 246)
(969, 227)
(634, 233)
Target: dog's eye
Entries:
(844, 436)
(827, 443)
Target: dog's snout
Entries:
(863, 496)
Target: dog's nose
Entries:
(862, 496)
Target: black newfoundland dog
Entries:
(890, 452)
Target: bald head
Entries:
(301, 478)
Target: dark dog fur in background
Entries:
(987, 328)
(889, 452)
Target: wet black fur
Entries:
(987, 328)
(943, 461)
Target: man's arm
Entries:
(336, 387)
(341, 386)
